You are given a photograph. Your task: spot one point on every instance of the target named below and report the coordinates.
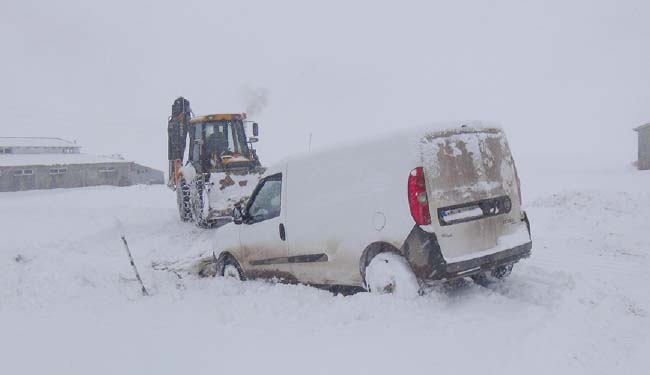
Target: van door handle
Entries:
(283, 234)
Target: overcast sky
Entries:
(568, 78)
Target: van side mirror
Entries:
(253, 139)
(256, 130)
(237, 215)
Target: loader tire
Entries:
(196, 205)
(183, 201)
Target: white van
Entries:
(442, 202)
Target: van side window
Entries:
(266, 202)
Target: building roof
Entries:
(18, 160)
(642, 127)
(35, 142)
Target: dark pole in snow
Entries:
(137, 274)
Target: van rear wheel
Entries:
(501, 272)
(495, 274)
(390, 273)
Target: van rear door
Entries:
(473, 190)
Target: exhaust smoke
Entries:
(256, 100)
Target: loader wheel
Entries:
(196, 204)
(227, 266)
(183, 201)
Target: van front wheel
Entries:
(390, 273)
(227, 266)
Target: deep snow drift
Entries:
(69, 303)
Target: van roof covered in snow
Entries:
(409, 136)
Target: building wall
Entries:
(77, 175)
(145, 175)
(40, 150)
(64, 176)
(644, 148)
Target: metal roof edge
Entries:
(642, 127)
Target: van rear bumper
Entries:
(422, 251)
(482, 264)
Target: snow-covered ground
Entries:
(69, 303)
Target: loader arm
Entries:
(177, 128)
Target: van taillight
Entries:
(418, 200)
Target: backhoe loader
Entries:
(212, 163)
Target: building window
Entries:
(57, 171)
(23, 172)
(106, 169)
(5, 150)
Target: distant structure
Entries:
(28, 163)
(644, 146)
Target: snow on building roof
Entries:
(35, 142)
(642, 127)
(16, 160)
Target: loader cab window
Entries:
(213, 139)
(195, 143)
(266, 201)
(224, 136)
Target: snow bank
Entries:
(69, 302)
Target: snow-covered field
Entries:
(69, 303)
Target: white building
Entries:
(644, 146)
(28, 163)
(35, 145)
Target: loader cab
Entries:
(220, 143)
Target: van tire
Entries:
(227, 266)
(501, 272)
(183, 200)
(494, 275)
(390, 273)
